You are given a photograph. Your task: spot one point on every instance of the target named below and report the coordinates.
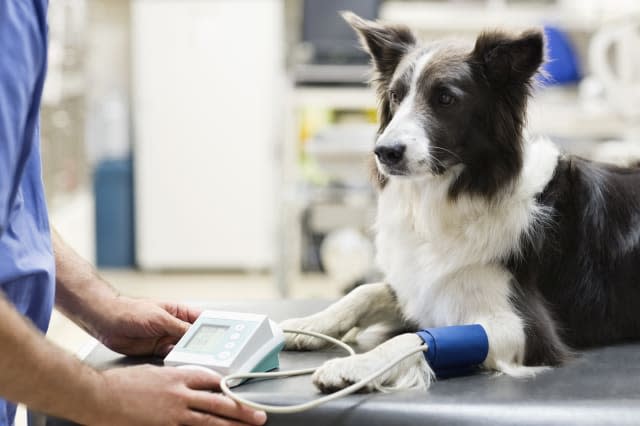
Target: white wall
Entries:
(207, 99)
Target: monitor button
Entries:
(239, 327)
(234, 336)
(224, 355)
(229, 345)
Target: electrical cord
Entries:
(224, 386)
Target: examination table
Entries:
(600, 386)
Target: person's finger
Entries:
(174, 326)
(184, 312)
(200, 378)
(223, 406)
(188, 313)
(195, 418)
(165, 345)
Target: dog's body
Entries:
(477, 224)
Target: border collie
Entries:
(477, 223)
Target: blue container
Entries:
(562, 66)
(113, 189)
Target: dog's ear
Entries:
(386, 44)
(510, 59)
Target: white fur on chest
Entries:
(442, 257)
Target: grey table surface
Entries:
(600, 386)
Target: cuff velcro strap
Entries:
(456, 350)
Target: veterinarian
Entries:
(37, 270)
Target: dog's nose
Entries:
(390, 155)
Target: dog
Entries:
(478, 223)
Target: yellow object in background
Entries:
(372, 115)
(312, 120)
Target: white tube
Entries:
(316, 402)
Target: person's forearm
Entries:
(36, 372)
(80, 292)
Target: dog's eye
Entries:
(445, 98)
(393, 97)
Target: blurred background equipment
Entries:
(562, 67)
(208, 136)
(615, 62)
(328, 51)
(347, 256)
(113, 189)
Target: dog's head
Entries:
(450, 107)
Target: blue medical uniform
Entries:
(27, 267)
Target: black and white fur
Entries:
(477, 223)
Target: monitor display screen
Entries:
(333, 40)
(206, 338)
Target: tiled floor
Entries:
(187, 287)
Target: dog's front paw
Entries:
(303, 342)
(411, 373)
(339, 373)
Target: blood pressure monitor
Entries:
(229, 343)
(242, 346)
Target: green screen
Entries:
(206, 338)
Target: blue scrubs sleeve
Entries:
(22, 47)
(27, 267)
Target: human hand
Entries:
(149, 396)
(143, 327)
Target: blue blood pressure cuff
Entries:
(456, 350)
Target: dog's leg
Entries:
(364, 306)
(413, 372)
(507, 345)
(506, 351)
(481, 298)
(483, 294)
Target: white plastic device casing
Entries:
(251, 342)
